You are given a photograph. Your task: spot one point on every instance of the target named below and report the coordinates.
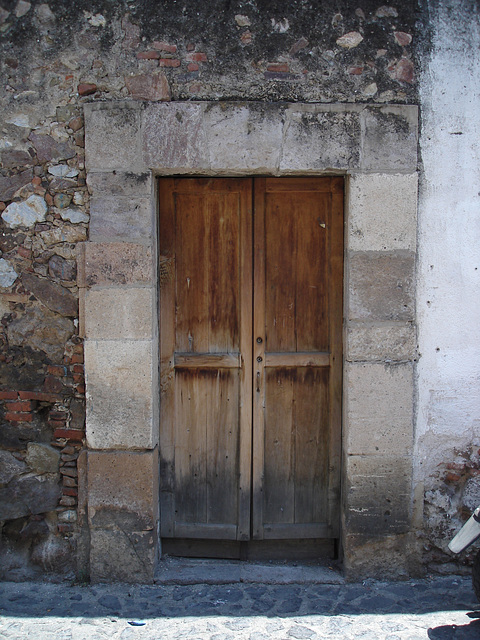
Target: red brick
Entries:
(52, 384)
(86, 88)
(278, 67)
(8, 395)
(57, 424)
(40, 396)
(78, 348)
(70, 434)
(148, 55)
(148, 86)
(57, 370)
(20, 405)
(76, 358)
(197, 56)
(69, 491)
(164, 46)
(169, 62)
(57, 415)
(78, 378)
(81, 389)
(77, 368)
(14, 416)
(192, 66)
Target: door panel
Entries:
(295, 245)
(297, 320)
(296, 442)
(224, 363)
(205, 311)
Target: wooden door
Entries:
(297, 357)
(250, 346)
(205, 272)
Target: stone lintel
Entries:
(390, 136)
(112, 136)
(278, 138)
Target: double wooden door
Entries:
(250, 274)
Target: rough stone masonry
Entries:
(67, 236)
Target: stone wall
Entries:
(55, 57)
(44, 203)
(58, 57)
(315, 52)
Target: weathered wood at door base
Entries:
(284, 550)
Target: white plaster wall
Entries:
(448, 294)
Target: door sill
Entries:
(184, 571)
(316, 549)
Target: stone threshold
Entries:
(184, 571)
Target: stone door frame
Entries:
(128, 144)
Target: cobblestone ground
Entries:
(434, 608)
